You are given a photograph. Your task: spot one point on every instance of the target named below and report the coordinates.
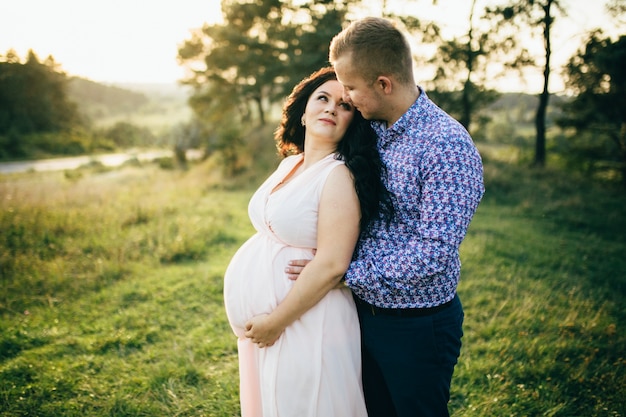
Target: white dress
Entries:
(314, 369)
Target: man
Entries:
(404, 274)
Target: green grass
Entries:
(111, 294)
(543, 285)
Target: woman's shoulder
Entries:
(339, 172)
(334, 159)
(329, 163)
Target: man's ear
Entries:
(384, 84)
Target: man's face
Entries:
(357, 90)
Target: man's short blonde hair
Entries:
(376, 48)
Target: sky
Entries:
(136, 41)
(112, 41)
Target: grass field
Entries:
(111, 294)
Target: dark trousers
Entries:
(408, 361)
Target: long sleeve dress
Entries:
(314, 368)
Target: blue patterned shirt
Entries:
(435, 173)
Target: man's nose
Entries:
(346, 96)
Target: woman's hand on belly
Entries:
(261, 330)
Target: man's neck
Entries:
(405, 99)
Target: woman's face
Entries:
(327, 116)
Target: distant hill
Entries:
(155, 106)
(162, 90)
(159, 107)
(512, 100)
(522, 107)
(97, 100)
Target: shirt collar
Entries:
(404, 121)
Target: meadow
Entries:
(111, 293)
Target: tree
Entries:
(240, 68)
(33, 105)
(461, 64)
(255, 57)
(33, 96)
(534, 14)
(596, 74)
(128, 135)
(617, 9)
(234, 63)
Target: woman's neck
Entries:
(314, 154)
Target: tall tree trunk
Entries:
(466, 113)
(540, 126)
(466, 99)
(259, 103)
(540, 119)
(621, 144)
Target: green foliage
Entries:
(33, 97)
(38, 119)
(257, 55)
(43, 114)
(470, 105)
(597, 75)
(241, 155)
(537, 16)
(111, 293)
(76, 141)
(11, 146)
(461, 71)
(247, 65)
(127, 135)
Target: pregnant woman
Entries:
(298, 341)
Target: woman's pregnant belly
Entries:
(255, 280)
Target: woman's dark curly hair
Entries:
(357, 148)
